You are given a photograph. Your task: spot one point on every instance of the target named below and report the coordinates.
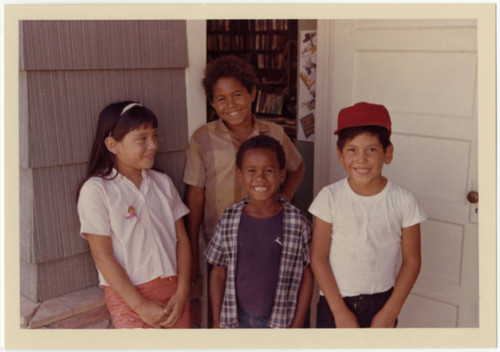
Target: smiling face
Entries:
(260, 174)
(136, 151)
(233, 102)
(363, 158)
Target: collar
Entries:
(115, 175)
(258, 126)
(244, 201)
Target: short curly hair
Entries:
(228, 66)
(261, 141)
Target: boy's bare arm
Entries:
(292, 182)
(217, 290)
(320, 251)
(195, 201)
(410, 268)
(304, 298)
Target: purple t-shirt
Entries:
(259, 254)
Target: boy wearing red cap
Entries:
(362, 224)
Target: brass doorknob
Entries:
(473, 197)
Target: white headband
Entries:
(128, 107)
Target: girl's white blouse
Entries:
(140, 222)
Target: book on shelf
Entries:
(267, 41)
(219, 25)
(285, 122)
(250, 25)
(268, 25)
(249, 41)
(270, 61)
(269, 102)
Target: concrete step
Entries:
(71, 311)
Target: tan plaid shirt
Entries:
(211, 164)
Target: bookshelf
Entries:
(270, 46)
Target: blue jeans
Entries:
(251, 321)
(363, 306)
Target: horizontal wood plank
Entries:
(103, 44)
(63, 108)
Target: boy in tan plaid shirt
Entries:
(210, 171)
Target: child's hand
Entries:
(346, 319)
(383, 319)
(174, 309)
(152, 313)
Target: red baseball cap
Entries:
(363, 114)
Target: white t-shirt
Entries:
(366, 234)
(141, 222)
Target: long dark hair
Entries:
(115, 121)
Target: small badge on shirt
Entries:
(278, 241)
(131, 213)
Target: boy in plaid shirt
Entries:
(261, 248)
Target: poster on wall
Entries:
(307, 85)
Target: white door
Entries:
(424, 72)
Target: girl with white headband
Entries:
(132, 217)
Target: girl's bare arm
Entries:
(102, 251)
(179, 299)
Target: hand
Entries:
(152, 313)
(174, 309)
(383, 319)
(346, 319)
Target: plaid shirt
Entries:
(222, 251)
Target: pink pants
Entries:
(159, 290)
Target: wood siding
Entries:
(63, 107)
(88, 45)
(70, 70)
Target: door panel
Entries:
(424, 72)
(415, 161)
(442, 255)
(440, 83)
(443, 313)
